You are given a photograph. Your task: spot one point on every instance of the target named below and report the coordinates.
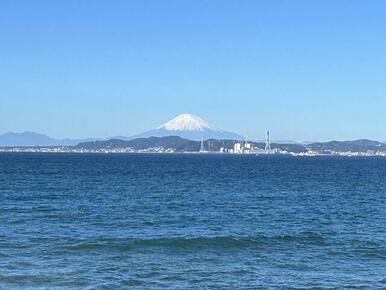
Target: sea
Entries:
(191, 221)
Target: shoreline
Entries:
(116, 152)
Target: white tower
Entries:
(268, 143)
(202, 145)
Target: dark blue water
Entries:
(191, 221)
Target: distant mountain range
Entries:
(34, 139)
(183, 133)
(186, 126)
(361, 145)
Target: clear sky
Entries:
(307, 70)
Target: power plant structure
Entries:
(268, 142)
(242, 147)
(202, 149)
(248, 148)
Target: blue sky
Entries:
(307, 70)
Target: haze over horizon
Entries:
(306, 71)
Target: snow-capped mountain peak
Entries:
(191, 127)
(187, 122)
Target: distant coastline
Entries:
(187, 133)
(175, 144)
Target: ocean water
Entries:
(153, 221)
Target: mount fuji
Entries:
(190, 126)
